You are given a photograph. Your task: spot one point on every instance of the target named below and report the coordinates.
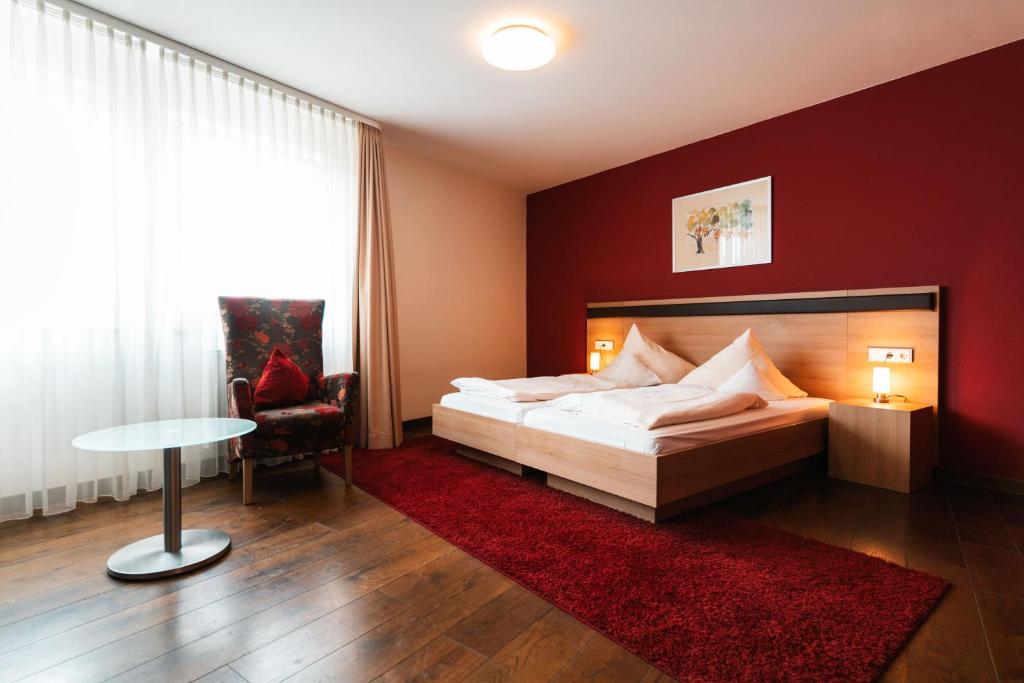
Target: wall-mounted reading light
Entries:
(595, 361)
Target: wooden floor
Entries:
(325, 582)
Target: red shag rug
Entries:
(706, 597)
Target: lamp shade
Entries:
(595, 360)
(880, 380)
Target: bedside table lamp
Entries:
(880, 384)
(595, 361)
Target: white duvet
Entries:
(532, 388)
(665, 404)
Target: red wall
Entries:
(919, 181)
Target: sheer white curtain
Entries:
(137, 185)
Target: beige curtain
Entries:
(376, 347)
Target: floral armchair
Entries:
(325, 421)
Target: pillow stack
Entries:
(744, 366)
(642, 363)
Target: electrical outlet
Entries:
(880, 354)
(604, 345)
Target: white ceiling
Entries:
(632, 77)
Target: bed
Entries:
(817, 339)
(655, 474)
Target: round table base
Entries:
(146, 559)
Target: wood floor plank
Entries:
(169, 634)
(120, 523)
(951, 644)
(433, 578)
(54, 569)
(897, 671)
(655, 676)
(1010, 507)
(260, 540)
(442, 660)
(186, 606)
(307, 642)
(835, 527)
(127, 594)
(935, 544)
(138, 526)
(995, 570)
(978, 520)
(538, 653)
(881, 535)
(93, 516)
(351, 610)
(1004, 623)
(491, 627)
(225, 674)
(1017, 534)
(374, 653)
(93, 581)
(603, 661)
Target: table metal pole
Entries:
(172, 500)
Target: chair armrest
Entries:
(240, 400)
(342, 390)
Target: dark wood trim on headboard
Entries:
(831, 304)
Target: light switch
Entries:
(880, 354)
(604, 345)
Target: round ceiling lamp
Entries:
(518, 48)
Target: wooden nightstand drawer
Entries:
(890, 445)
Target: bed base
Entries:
(491, 459)
(664, 512)
(649, 487)
(658, 487)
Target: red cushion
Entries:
(282, 382)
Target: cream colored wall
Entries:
(460, 262)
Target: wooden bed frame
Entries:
(651, 487)
(818, 339)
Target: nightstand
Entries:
(889, 445)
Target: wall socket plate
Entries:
(877, 354)
(604, 345)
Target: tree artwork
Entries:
(735, 219)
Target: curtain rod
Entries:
(87, 12)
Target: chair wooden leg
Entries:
(348, 464)
(233, 469)
(248, 465)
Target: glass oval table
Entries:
(174, 551)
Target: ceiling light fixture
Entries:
(518, 48)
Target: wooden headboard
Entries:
(818, 339)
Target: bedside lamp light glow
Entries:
(880, 384)
(595, 361)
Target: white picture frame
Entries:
(727, 227)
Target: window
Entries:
(138, 185)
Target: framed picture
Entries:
(723, 228)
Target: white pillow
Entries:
(669, 367)
(730, 360)
(627, 371)
(750, 380)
